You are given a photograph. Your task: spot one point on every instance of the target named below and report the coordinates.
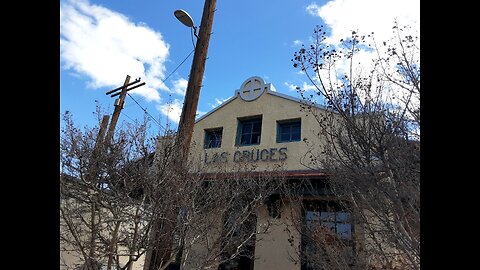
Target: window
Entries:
(328, 215)
(213, 138)
(288, 130)
(249, 131)
(327, 230)
(332, 222)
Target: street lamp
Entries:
(183, 17)
(186, 19)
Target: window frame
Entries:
(325, 205)
(288, 123)
(330, 219)
(207, 141)
(241, 122)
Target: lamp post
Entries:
(154, 257)
(190, 104)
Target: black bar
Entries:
(116, 94)
(116, 89)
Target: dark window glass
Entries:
(250, 131)
(257, 126)
(289, 131)
(213, 138)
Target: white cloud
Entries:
(172, 110)
(106, 46)
(297, 42)
(291, 87)
(305, 86)
(180, 86)
(308, 87)
(366, 16)
(313, 9)
(218, 101)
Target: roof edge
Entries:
(271, 92)
(216, 108)
(298, 100)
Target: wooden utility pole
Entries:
(187, 118)
(91, 176)
(159, 253)
(101, 133)
(116, 112)
(98, 148)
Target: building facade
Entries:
(257, 126)
(259, 130)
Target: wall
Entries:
(203, 242)
(278, 247)
(272, 108)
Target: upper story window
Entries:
(249, 131)
(213, 138)
(289, 130)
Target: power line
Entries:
(178, 65)
(145, 110)
(128, 117)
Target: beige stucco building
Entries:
(261, 130)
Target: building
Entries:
(259, 130)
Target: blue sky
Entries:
(101, 41)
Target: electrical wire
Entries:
(128, 117)
(178, 65)
(146, 112)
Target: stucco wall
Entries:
(277, 248)
(202, 243)
(272, 108)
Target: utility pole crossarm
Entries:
(119, 104)
(121, 87)
(131, 88)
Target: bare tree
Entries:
(123, 201)
(372, 132)
(209, 219)
(104, 217)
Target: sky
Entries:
(103, 41)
